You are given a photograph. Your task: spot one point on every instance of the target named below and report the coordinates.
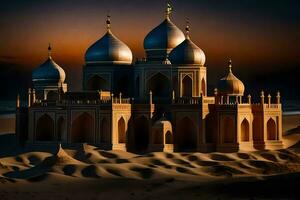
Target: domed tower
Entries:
(187, 59)
(230, 88)
(49, 79)
(162, 39)
(107, 62)
(154, 73)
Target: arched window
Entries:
(203, 87)
(187, 87)
(159, 84)
(228, 130)
(83, 129)
(271, 130)
(45, 128)
(97, 83)
(104, 131)
(186, 135)
(245, 131)
(121, 130)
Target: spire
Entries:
(169, 10)
(187, 28)
(49, 50)
(108, 22)
(230, 65)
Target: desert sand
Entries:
(90, 173)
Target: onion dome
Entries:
(49, 72)
(230, 85)
(162, 39)
(109, 50)
(187, 53)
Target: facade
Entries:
(158, 103)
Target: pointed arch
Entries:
(104, 131)
(121, 130)
(97, 83)
(186, 135)
(228, 130)
(203, 87)
(245, 131)
(187, 86)
(83, 129)
(61, 128)
(271, 130)
(159, 84)
(45, 128)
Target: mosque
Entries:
(158, 103)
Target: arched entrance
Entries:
(186, 135)
(45, 128)
(61, 128)
(97, 83)
(121, 130)
(104, 131)
(228, 130)
(245, 131)
(271, 130)
(83, 129)
(187, 87)
(203, 87)
(159, 84)
(141, 134)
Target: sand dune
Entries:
(90, 173)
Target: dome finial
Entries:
(169, 10)
(187, 28)
(108, 22)
(230, 65)
(49, 50)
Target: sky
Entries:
(262, 37)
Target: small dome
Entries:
(162, 39)
(230, 85)
(49, 72)
(109, 50)
(187, 53)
